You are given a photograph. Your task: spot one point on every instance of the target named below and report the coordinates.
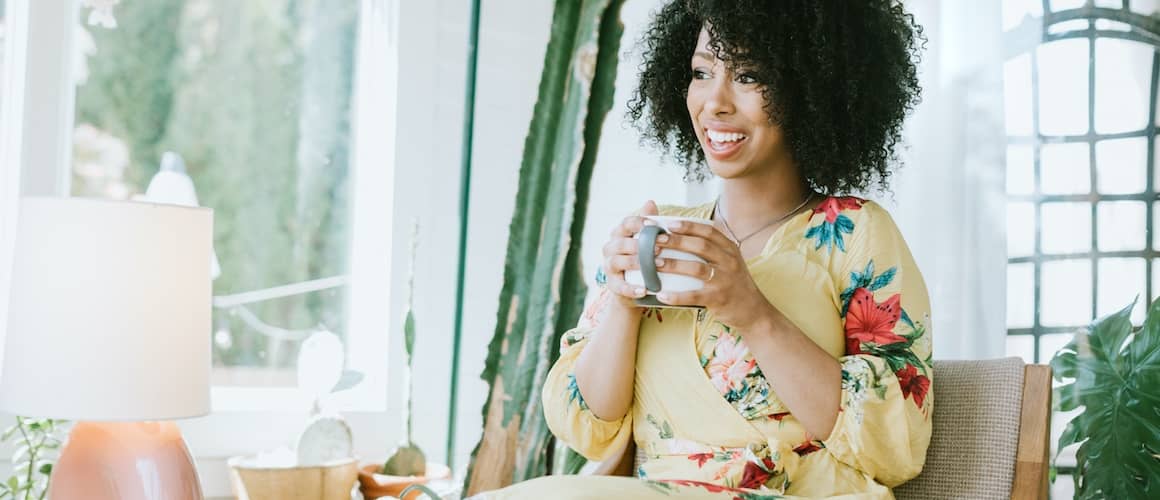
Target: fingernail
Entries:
(664, 238)
(663, 297)
(675, 226)
(639, 292)
(660, 262)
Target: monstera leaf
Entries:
(1114, 375)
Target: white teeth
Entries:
(716, 136)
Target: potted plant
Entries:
(1113, 372)
(38, 443)
(407, 466)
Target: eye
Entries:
(746, 79)
(700, 74)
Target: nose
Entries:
(719, 98)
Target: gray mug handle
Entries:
(645, 251)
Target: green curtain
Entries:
(543, 291)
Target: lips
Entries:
(722, 143)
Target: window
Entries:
(252, 102)
(255, 99)
(1080, 90)
(3, 49)
(251, 105)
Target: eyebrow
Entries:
(704, 55)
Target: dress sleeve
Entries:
(884, 424)
(565, 411)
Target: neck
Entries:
(752, 201)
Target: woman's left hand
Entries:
(729, 292)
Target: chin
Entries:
(727, 170)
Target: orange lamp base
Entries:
(125, 461)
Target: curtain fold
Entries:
(949, 197)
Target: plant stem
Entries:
(31, 457)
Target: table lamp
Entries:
(109, 326)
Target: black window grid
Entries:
(1024, 39)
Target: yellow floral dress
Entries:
(703, 413)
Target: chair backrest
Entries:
(990, 438)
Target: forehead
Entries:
(703, 52)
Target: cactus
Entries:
(408, 459)
(543, 289)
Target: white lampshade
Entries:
(109, 315)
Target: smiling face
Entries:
(728, 113)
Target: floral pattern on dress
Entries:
(872, 328)
(574, 395)
(828, 233)
(733, 371)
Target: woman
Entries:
(808, 374)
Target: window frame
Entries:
(1024, 39)
(35, 158)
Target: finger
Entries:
(625, 289)
(622, 246)
(649, 208)
(693, 298)
(705, 231)
(618, 264)
(695, 245)
(689, 268)
(628, 226)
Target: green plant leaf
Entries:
(20, 453)
(573, 461)
(1112, 374)
(409, 333)
(9, 432)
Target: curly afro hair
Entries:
(838, 77)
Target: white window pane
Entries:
(1066, 293)
(1021, 296)
(1017, 95)
(1050, 343)
(1020, 169)
(1065, 168)
(1123, 80)
(1063, 87)
(3, 37)
(1018, 11)
(256, 98)
(1121, 225)
(1058, 5)
(1022, 346)
(1066, 26)
(1020, 229)
(1156, 223)
(1120, 282)
(1109, 25)
(1066, 228)
(1111, 4)
(1064, 485)
(1146, 7)
(1155, 279)
(1122, 165)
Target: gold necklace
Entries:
(739, 241)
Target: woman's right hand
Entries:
(620, 255)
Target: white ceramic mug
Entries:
(648, 277)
